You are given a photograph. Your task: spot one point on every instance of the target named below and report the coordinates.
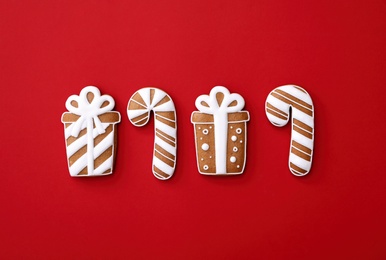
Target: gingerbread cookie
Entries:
(90, 133)
(139, 107)
(220, 132)
(293, 101)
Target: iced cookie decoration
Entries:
(90, 133)
(139, 107)
(220, 129)
(293, 101)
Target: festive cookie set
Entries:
(220, 130)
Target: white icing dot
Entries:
(206, 167)
(239, 130)
(200, 138)
(233, 159)
(205, 131)
(234, 138)
(205, 147)
(202, 159)
(235, 149)
(199, 128)
(231, 127)
(241, 141)
(210, 157)
(238, 166)
(210, 127)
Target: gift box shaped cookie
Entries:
(220, 129)
(90, 133)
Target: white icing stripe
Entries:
(105, 144)
(140, 104)
(307, 137)
(82, 162)
(278, 104)
(304, 118)
(163, 166)
(276, 120)
(305, 130)
(159, 176)
(294, 101)
(297, 93)
(165, 128)
(164, 155)
(157, 97)
(67, 131)
(300, 162)
(301, 139)
(276, 111)
(299, 151)
(106, 165)
(145, 95)
(152, 104)
(164, 136)
(75, 146)
(169, 148)
(296, 172)
(136, 112)
(82, 141)
(146, 118)
(79, 165)
(166, 107)
(168, 119)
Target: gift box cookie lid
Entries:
(198, 117)
(112, 117)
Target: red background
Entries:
(50, 50)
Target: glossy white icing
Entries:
(89, 112)
(291, 98)
(230, 103)
(165, 134)
(205, 147)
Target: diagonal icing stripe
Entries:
(268, 110)
(104, 145)
(164, 139)
(303, 125)
(300, 154)
(171, 138)
(160, 173)
(164, 152)
(164, 121)
(301, 147)
(277, 110)
(165, 167)
(301, 131)
(163, 158)
(298, 169)
(105, 167)
(292, 103)
(294, 99)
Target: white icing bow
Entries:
(89, 111)
(208, 104)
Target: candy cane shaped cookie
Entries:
(295, 100)
(139, 107)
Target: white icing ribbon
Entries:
(89, 112)
(208, 104)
